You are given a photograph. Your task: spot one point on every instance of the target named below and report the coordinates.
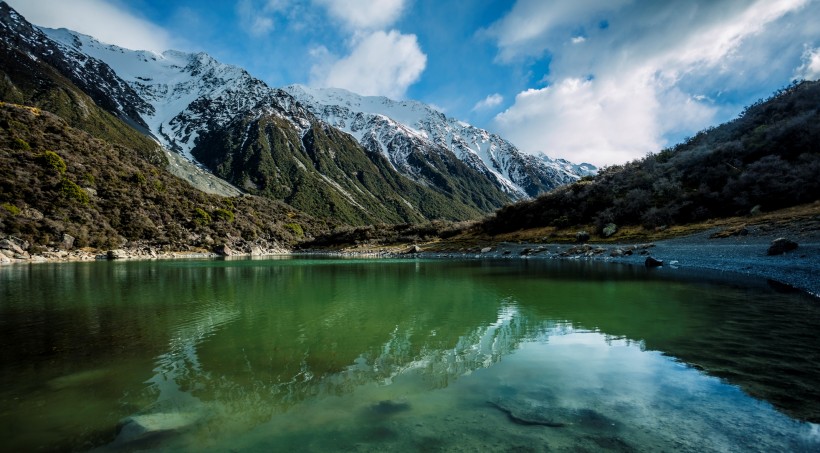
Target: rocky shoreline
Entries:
(746, 252)
(14, 250)
(790, 257)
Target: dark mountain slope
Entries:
(768, 158)
(322, 171)
(56, 180)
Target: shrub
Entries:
(609, 230)
(139, 178)
(50, 159)
(224, 214)
(201, 217)
(19, 143)
(13, 210)
(295, 228)
(71, 191)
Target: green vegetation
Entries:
(768, 157)
(40, 203)
(295, 228)
(267, 156)
(11, 209)
(224, 215)
(50, 159)
(71, 191)
(201, 217)
(19, 143)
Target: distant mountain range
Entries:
(330, 153)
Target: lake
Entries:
(307, 354)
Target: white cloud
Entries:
(489, 102)
(810, 69)
(364, 14)
(252, 19)
(104, 20)
(531, 24)
(380, 63)
(578, 40)
(642, 65)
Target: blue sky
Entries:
(600, 81)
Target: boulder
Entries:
(616, 253)
(486, 250)
(12, 246)
(780, 246)
(223, 250)
(116, 254)
(67, 242)
(653, 262)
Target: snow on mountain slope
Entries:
(187, 93)
(181, 96)
(375, 120)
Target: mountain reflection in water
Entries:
(265, 354)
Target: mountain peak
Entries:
(375, 120)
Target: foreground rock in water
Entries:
(780, 246)
(653, 262)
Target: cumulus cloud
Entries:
(810, 69)
(639, 80)
(104, 20)
(364, 14)
(380, 63)
(489, 102)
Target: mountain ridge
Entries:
(375, 121)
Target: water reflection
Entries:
(214, 354)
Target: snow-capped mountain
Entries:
(331, 153)
(184, 94)
(377, 123)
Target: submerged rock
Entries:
(386, 408)
(528, 411)
(146, 428)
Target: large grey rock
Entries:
(223, 250)
(116, 254)
(486, 250)
(68, 242)
(12, 246)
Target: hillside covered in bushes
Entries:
(57, 182)
(766, 159)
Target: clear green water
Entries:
(356, 355)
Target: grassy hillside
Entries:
(767, 159)
(56, 179)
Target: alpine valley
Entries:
(340, 158)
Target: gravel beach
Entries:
(744, 253)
